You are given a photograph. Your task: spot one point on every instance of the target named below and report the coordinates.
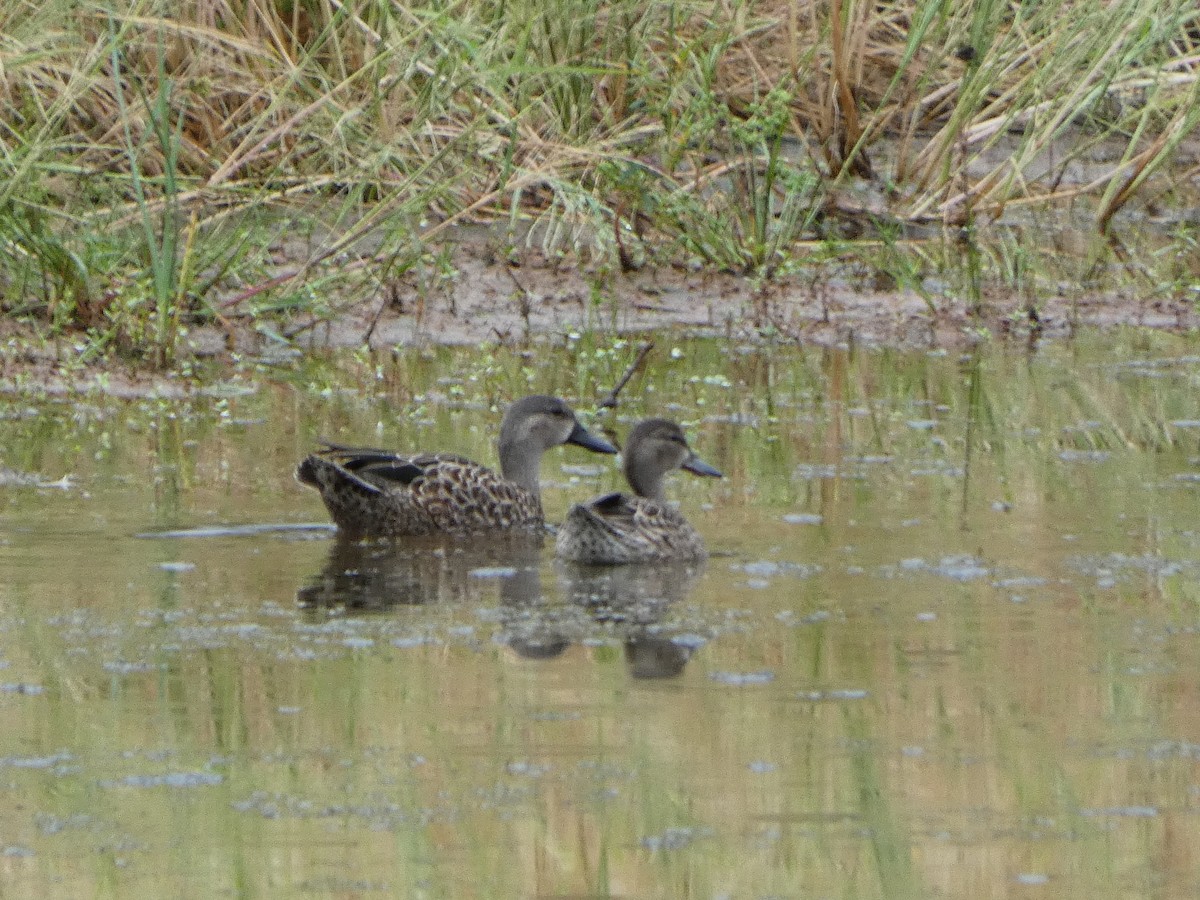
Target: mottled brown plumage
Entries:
(372, 492)
(619, 528)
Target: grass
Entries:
(162, 167)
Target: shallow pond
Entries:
(947, 643)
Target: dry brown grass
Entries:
(728, 133)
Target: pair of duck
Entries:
(378, 493)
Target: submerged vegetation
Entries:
(162, 164)
(947, 637)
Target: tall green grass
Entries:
(158, 160)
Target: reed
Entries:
(158, 160)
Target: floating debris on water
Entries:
(1020, 581)
(1135, 812)
(1032, 879)
(410, 641)
(36, 762)
(13, 478)
(120, 667)
(766, 568)
(493, 572)
(170, 779)
(836, 695)
(219, 531)
(527, 769)
(18, 687)
(580, 470)
(1084, 456)
(803, 518)
(743, 679)
(675, 838)
(956, 568)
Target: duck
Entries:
(378, 493)
(618, 528)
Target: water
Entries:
(946, 645)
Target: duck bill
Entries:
(697, 466)
(581, 437)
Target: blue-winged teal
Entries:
(618, 528)
(376, 492)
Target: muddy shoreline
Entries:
(540, 301)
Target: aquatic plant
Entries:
(161, 166)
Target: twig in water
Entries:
(524, 299)
(610, 402)
(391, 299)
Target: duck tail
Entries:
(318, 472)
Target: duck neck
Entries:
(644, 485)
(520, 464)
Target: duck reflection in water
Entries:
(365, 576)
(633, 603)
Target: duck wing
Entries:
(374, 491)
(622, 528)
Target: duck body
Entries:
(372, 492)
(620, 528)
(377, 493)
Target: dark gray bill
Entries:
(581, 437)
(697, 466)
